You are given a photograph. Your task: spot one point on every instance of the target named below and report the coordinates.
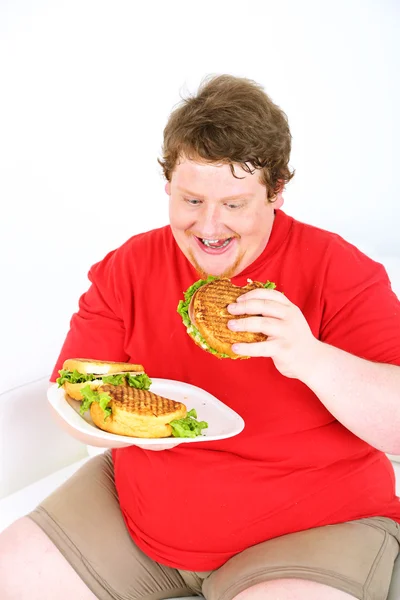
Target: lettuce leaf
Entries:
(189, 426)
(90, 396)
(113, 379)
(141, 381)
(183, 305)
(74, 377)
(183, 310)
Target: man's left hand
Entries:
(290, 343)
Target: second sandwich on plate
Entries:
(129, 411)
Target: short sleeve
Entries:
(97, 330)
(360, 313)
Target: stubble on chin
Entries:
(230, 272)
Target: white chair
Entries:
(36, 457)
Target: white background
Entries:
(86, 87)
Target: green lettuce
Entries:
(74, 377)
(189, 426)
(183, 310)
(183, 306)
(141, 381)
(90, 396)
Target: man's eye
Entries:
(233, 206)
(192, 201)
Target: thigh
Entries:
(84, 521)
(32, 568)
(355, 557)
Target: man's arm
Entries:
(364, 396)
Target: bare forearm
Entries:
(364, 396)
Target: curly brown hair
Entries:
(231, 120)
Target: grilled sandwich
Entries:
(134, 412)
(204, 312)
(77, 373)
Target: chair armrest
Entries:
(20, 503)
(32, 445)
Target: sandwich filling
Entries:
(140, 381)
(184, 311)
(90, 396)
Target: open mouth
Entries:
(215, 244)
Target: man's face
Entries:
(221, 223)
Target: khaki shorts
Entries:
(84, 521)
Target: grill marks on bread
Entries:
(137, 413)
(209, 309)
(141, 402)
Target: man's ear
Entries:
(279, 200)
(278, 203)
(168, 188)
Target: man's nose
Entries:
(209, 219)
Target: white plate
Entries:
(223, 422)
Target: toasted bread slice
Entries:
(100, 367)
(137, 413)
(88, 366)
(208, 313)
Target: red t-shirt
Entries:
(294, 466)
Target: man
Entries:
(301, 504)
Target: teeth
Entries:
(212, 243)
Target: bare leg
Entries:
(32, 568)
(292, 589)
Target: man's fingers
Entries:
(268, 326)
(266, 349)
(264, 294)
(259, 306)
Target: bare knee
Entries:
(292, 589)
(32, 567)
(20, 540)
(20, 531)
